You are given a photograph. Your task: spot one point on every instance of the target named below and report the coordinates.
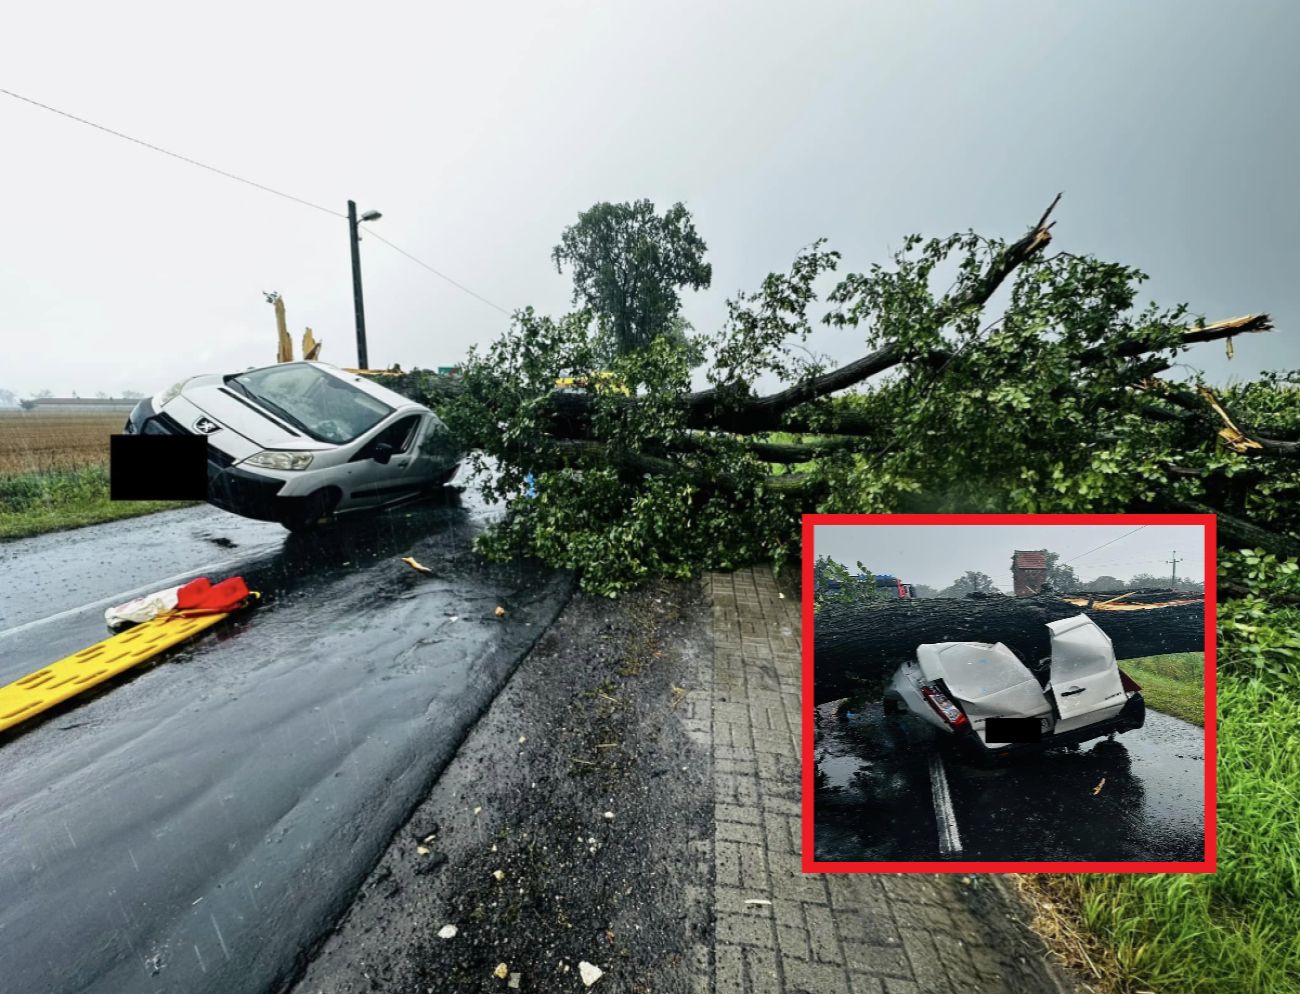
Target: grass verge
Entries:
(34, 503)
(1233, 930)
(1172, 684)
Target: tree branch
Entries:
(568, 450)
(766, 411)
(1250, 323)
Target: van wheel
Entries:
(307, 514)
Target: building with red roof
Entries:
(1028, 571)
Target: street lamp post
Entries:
(362, 361)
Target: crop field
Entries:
(54, 472)
(51, 441)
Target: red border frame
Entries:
(1206, 865)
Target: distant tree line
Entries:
(1064, 579)
(9, 399)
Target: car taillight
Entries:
(1130, 685)
(945, 708)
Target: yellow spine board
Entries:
(73, 674)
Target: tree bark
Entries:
(856, 647)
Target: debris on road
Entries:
(1097, 789)
(501, 971)
(447, 932)
(500, 611)
(759, 902)
(424, 831)
(200, 604)
(430, 863)
(590, 973)
(410, 561)
(499, 874)
(513, 982)
(142, 609)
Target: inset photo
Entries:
(991, 693)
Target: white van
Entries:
(297, 441)
(984, 695)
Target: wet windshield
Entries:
(325, 407)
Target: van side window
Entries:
(399, 433)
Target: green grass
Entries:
(1234, 930)
(34, 503)
(1172, 684)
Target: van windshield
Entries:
(324, 406)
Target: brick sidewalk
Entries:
(862, 933)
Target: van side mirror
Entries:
(381, 452)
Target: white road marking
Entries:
(125, 596)
(949, 839)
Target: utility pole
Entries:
(360, 308)
(1173, 575)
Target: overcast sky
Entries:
(939, 554)
(481, 130)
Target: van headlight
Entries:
(274, 459)
(168, 395)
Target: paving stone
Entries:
(760, 965)
(728, 969)
(888, 961)
(745, 930)
(802, 977)
(734, 812)
(862, 983)
(793, 942)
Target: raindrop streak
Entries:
(200, 956)
(220, 937)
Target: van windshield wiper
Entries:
(271, 405)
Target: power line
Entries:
(248, 182)
(1104, 544)
(174, 155)
(443, 276)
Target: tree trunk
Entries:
(856, 647)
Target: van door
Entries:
(1085, 676)
(385, 482)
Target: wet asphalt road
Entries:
(199, 823)
(877, 801)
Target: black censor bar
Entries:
(158, 467)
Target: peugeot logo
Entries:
(206, 426)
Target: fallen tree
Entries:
(1056, 404)
(857, 646)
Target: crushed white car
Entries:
(298, 441)
(984, 696)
